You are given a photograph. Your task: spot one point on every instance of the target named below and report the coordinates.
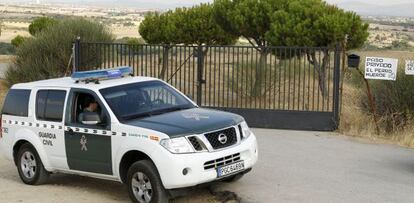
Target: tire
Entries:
(139, 175)
(30, 166)
(234, 178)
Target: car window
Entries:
(79, 107)
(143, 99)
(83, 103)
(49, 105)
(41, 97)
(17, 103)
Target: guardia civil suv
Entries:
(136, 130)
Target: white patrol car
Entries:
(137, 130)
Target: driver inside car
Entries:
(91, 106)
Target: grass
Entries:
(355, 121)
(3, 91)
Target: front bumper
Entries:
(171, 168)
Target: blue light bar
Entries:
(102, 74)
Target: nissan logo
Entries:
(222, 138)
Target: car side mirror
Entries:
(91, 118)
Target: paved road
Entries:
(293, 167)
(316, 167)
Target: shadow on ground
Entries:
(118, 192)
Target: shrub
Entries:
(128, 40)
(400, 45)
(18, 40)
(48, 54)
(40, 24)
(394, 101)
(135, 44)
(135, 41)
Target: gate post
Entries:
(200, 71)
(337, 79)
(76, 54)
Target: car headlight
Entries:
(177, 145)
(245, 130)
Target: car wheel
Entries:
(144, 183)
(30, 167)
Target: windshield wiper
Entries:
(167, 110)
(156, 112)
(136, 116)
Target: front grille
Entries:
(222, 161)
(240, 131)
(214, 138)
(196, 143)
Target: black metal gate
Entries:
(272, 87)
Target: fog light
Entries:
(185, 171)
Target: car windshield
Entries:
(143, 99)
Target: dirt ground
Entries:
(10, 32)
(7, 35)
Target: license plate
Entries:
(230, 169)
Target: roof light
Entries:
(96, 75)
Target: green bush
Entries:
(136, 44)
(48, 54)
(400, 45)
(40, 24)
(394, 101)
(135, 41)
(18, 40)
(127, 40)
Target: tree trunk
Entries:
(259, 74)
(205, 51)
(166, 50)
(320, 68)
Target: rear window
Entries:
(17, 103)
(49, 105)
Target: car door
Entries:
(49, 113)
(88, 146)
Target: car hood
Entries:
(187, 122)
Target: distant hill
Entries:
(406, 10)
(363, 7)
(151, 4)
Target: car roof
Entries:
(67, 82)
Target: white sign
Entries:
(381, 68)
(409, 67)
